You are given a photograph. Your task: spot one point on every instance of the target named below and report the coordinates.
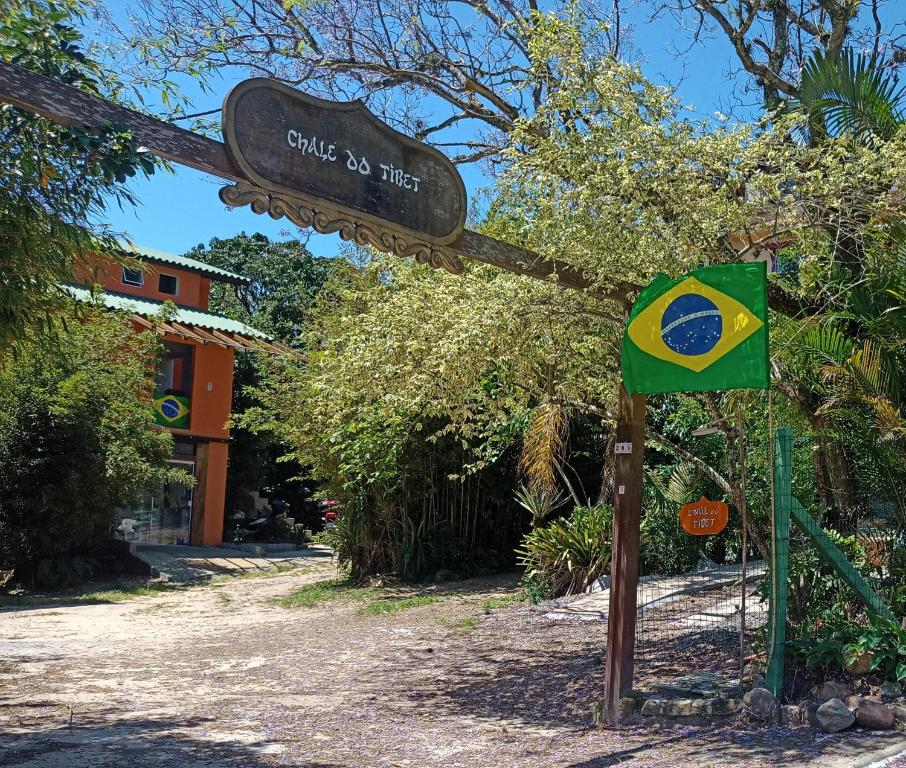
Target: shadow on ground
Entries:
(765, 746)
(110, 740)
(548, 690)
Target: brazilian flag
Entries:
(702, 332)
(171, 411)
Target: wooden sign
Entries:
(289, 142)
(704, 517)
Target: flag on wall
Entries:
(702, 332)
(171, 411)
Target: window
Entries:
(133, 276)
(168, 284)
(174, 377)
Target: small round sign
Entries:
(704, 517)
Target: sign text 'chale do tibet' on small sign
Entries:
(704, 517)
(290, 142)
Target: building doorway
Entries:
(162, 517)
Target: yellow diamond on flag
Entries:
(692, 325)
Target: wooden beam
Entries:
(68, 105)
(624, 558)
(206, 337)
(187, 332)
(226, 339)
(64, 104)
(512, 258)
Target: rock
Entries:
(891, 690)
(861, 665)
(834, 689)
(722, 706)
(899, 712)
(810, 711)
(679, 708)
(653, 707)
(754, 673)
(626, 708)
(790, 714)
(715, 706)
(874, 715)
(762, 702)
(834, 716)
(854, 701)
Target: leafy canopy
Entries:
(55, 181)
(75, 442)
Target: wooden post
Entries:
(199, 494)
(624, 564)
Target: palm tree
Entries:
(849, 95)
(844, 367)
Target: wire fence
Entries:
(689, 625)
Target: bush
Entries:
(75, 443)
(567, 555)
(835, 641)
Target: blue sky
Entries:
(177, 211)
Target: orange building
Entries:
(193, 388)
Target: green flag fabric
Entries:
(702, 332)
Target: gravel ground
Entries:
(220, 675)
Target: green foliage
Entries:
(55, 181)
(539, 504)
(319, 592)
(815, 588)
(849, 94)
(610, 175)
(568, 554)
(285, 279)
(835, 641)
(885, 640)
(75, 443)
(822, 644)
(535, 587)
(396, 604)
(377, 602)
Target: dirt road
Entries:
(222, 675)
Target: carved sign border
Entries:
(305, 211)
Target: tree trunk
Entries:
(839, 489)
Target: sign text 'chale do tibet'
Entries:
(704, 517)
(339, 155)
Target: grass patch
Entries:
(116, 594)
(460, 626)
(387, 605)
(493, 603)
(121, 594)
(320, 592)
(224, 598)
(377, 601)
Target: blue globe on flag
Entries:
(170, 408)
(691, 325)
